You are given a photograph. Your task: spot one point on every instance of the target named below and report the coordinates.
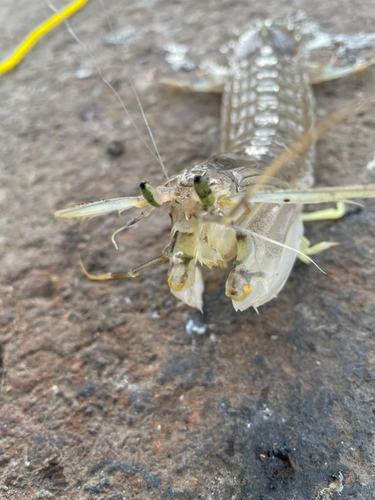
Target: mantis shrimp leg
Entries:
(306, 249)
(326, 214)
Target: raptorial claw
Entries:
(102, 207)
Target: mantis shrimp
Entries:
(244, 205)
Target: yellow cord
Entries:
(37, 33)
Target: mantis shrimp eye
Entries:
(204, 191)
(146, 191)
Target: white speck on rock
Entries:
(176, 57)
(122, 36)
(194, 326)
(371, 164)
(83, 71)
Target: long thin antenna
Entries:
(73, 34)
(132, 86)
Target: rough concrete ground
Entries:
(104, 393)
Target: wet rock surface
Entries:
(114, 390)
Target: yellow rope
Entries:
(37, 33)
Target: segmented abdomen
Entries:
(268, 103)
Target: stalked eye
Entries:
(146, 191)
(204, 191)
